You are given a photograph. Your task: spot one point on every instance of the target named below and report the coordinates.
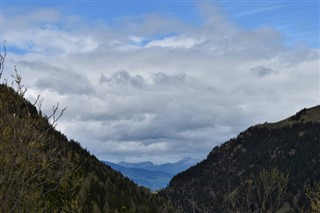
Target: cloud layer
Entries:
(156, 88)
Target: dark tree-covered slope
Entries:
(41, 171)
(268, 168)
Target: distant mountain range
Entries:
(150, 175)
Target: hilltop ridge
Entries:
(303, 116)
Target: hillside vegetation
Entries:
(42, 171)
(268, 168)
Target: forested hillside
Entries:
(41, 171)
(268, 168)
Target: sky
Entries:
(163, 80)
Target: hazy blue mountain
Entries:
(172, 168)
(151, 179)
(150, 175)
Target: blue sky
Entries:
(296, 20)
(163, 80)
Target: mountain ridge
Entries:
(172, 168)
(150, 175)
(232, 177)
(153, 180)
(303, 116)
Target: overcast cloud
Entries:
(157, 88)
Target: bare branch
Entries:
(21, 89)
(54, 116)
(36, 101)
(2, 59)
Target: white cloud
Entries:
(174, 42)
(133, 96)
